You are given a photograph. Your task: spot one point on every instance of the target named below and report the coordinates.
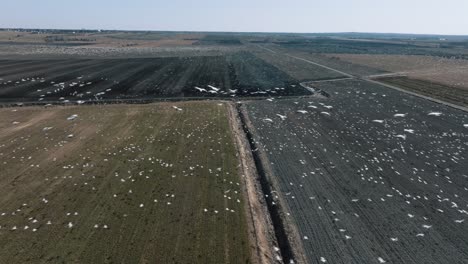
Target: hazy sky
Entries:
(399, 16)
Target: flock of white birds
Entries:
(369, 168)
(135, 167)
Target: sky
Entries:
(386, 16)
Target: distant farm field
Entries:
(120, 184)
(435, 90)
(229, 75)
(451, 72)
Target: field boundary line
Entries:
(320, 65)
(459, 107)
(261, 231)
(462, 108)
(286, 231)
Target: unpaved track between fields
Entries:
(380, 83)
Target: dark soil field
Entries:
(370, 174)
(237, 74)
(121, 184)
(299, 70)
(455, 95)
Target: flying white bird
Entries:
(401, 136)
(177, 108)
(435, 114)
(399, 115)
(465, 125)
(302, 111)
(378, 121)
(409, 131)
(325, 113)
(268, 120)
(459, 221)
(214, 88)
(283, 117)
(200, 89)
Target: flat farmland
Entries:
(334, 62)
(449, 94)
(448, 71)
(236, 74)
(368, 175)
(298, 69)
(153, 183)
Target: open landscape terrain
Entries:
(211, 147)
(368, 173)
(107, 184)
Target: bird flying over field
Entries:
(214, 88)
(200, 89)
(283, 117)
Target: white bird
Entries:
(394, 239)
(378, 121)
(401, 136)
(325, 113)
(381, 260)
(70, 224)
(427, 226)
(465, 125)
(214, 88)
(399, 115)
(460, 221)
(212, 91)
(435, 114)
(312, 106)
(409, 131)
(328, 106)
(177, 108)
(302, 111)
(233, 91)
(270, 99)
(268, 120)
(283, 117)
(200, 89)
(72, 117)
(323, 260)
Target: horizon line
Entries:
(217, 31)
